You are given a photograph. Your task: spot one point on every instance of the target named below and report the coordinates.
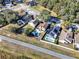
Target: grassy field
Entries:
(22, 37)
(12, 51)
(5, 54)
(41, 8)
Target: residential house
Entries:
(68, 37)
(54, 20)
(53, 34)
(24, 20)
(9, 2)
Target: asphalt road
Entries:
(39, 49)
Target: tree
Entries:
(51, 4)
(76, 20)
(2, 20)
(9, 15)
(45, 15)
(28, 29)
(67, 8)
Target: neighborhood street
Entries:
(36, 48)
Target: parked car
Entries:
(52, 34)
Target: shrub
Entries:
(28, 29)
(45, 14)
(17, 30)
(13, 29)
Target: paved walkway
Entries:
(39, 49)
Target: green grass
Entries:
(6, 54)
(16, 51)
(41, 8)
